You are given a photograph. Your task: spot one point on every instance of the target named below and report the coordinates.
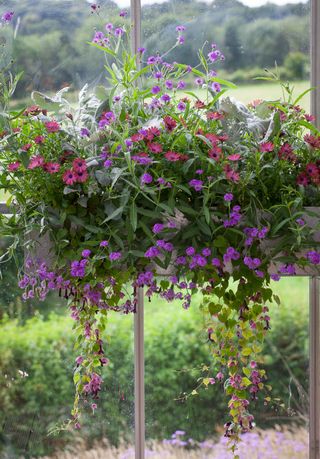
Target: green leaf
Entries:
(114, 215)
(214, 308)
(220, 242)
(133, 216)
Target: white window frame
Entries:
(314, 283)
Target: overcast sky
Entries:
(246, 2)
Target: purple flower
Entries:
(86, 253)
(107, 163)
(196, 184)
(216, 262)
(155, 89)
(157, 228)
(199, 81)
(109, 27)
(141, 50)
(85, 132)
(275, 277)
(123, 14)
(151, 60)
(199, 260)
(314, 257)
(128, 143)
(152, 252)
(181, 39)
(7, 16)
(228, 197)
(79, 360)
(214, 55)
(216, 87)
(146, 179)
(165, 98)
(180, 28)
(181, 261)
(190, 251)
(104, 244)
(169, 84)
(181, 85)
(231, 254)
(259, 273)
(115, 256)
(287, 269)
(206, 252)
(158, 75)
(119, 31)
(116, 99)
(252, 263)
(300, 221)
(181, 106)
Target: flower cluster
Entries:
(165, 192)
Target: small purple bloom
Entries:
(152, 252)
(104, 244)
(7, 16)
(181, 39)
(165, 98)
(151, 60)
(119, 31)
(300, 221)
(181, 106)
(146, 179)
(158, 75)
(196, 184)
(216, 87)
(107, 163)
(181, 85)
(85, 132)
(155, 89)
(313, 257)
(123, 14)
(228, 197)
(86, 253)
(206, 252)
(190, 251)
(141, 50)
(169, 84)
(275, 277)
(199, 81)
(180, 28)
(109, 27)
(213, 55)
(157, 228)
(115, 256)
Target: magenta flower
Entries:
(69, 177)
(104, 244)
(152, 252)
(196, 184)
(86, 253)
(7, 16)
(114, 256)
(228, 197)
(146, 179)
(52, 126)
(157, 228)
(181, 106)
(155, 89)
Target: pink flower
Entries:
(266, 147)
(235, 157)
(14, 166)
(155, 147)
(231, 175)
(52, 126)
(26, 147)
(302, 179)
(173, 156)
(36, 161)
(309, 118)
(39, 139)
(69, 177)
(81, 176)
(52, 168)
(79, 164)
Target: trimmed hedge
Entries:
(176, 350)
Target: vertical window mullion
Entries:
(314, 286)
(139, 387)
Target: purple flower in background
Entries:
(109, 27)
(151, 60)
(181, 39)
(196, 184)
(158, 75)
(123, 14)
(146, 179)
(86, 253)
(169, 84)
(314, 257)
(79, 360)
(252, 263)
(231, 254)
(216, 262)
(199, 81)
(181, 261)
(157, 228)
(300, 221)
(213, 55)
(165, 98)
(107, 163)
(116, 99)
(7, 16)
(180, 28)
(181, 85)
(84, 132)
(287, 269)
(152, 252)
(212, 73)
(128, 143)
(114, 256)
(119, 31)
(104, 244)
(228, 197)
(190, 251)
(181, 106)
(141, 50)
(275, 277)
(216, 87)
(155, 89)
(206, 252)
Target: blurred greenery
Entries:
(176, 349)
(49, 39)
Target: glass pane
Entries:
(176, 342)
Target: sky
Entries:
(246, 2)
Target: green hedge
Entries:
(176, 348)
